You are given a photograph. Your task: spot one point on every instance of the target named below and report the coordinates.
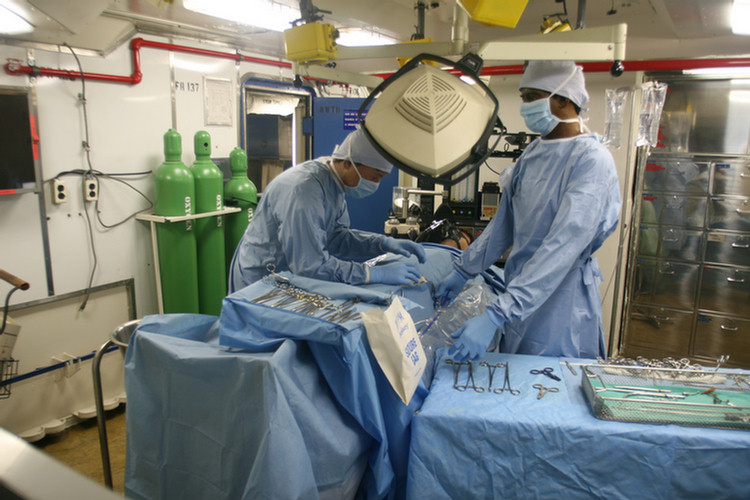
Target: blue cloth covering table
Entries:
(492, 446)
(267, 403)
(207, 423)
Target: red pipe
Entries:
(656, 65)
(14, 66)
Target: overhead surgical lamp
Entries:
(429, 122)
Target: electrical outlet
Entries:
(59, 191)
(90, 189)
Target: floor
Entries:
(78, 447)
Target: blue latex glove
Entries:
(395, 273)
(474, 337)
(404, 247)
(450, 287)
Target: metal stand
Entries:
(100, 419)
(161, 219)
(121, 338)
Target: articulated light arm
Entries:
(590, 44)
(335, 75)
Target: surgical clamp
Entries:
(470, 384)
(544, 390)
(491, 369)
(546, 371)
(506, 383)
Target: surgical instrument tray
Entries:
(703, 398)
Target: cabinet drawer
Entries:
(673, 210)
(725, 289)
(731, 178)
(665, 283)
(678, 176)
(670, 242)
(729, 213)
(716, 336)
(660, 329)
(728, 248)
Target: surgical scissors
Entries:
(544, 390)
(547, 371)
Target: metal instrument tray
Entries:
(702, 398)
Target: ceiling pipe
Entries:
(16, 67)
(656, 65)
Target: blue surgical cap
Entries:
(555, 77)
(357, 148)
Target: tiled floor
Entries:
(78, 447)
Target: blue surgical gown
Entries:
(558, 205)
(302, 225)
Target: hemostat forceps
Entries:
(470, 384)
(544, 390)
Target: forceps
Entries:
(543, 390)
(547, 371)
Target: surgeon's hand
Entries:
(450, 287)
(474, 337)
(395, 273)
(404, 247)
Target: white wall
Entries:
(126, 127)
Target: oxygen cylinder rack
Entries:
(154, 219)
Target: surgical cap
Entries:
(357, 148)
(550, 75)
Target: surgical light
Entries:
(430, 123)
(12, 23)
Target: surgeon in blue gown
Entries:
(559, 202)
(302, 224)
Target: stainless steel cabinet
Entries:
(688, 280)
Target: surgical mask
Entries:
(538, 115)
(363, 188)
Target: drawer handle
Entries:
(661, 318)
(735, 280)
(666, 271)
(670, 240)
(740, 245)
(743, 175)
(729, 328)
(742, 212)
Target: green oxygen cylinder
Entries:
(239, 191)
(174, 195)
(209, 231)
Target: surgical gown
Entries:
(560, 202)
(302, 225)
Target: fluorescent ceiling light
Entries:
(355, 37)
(739, 96)
(741, 17)
(13, 24)
(723, 72)
(265, 14)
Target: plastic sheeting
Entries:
(488, 445)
